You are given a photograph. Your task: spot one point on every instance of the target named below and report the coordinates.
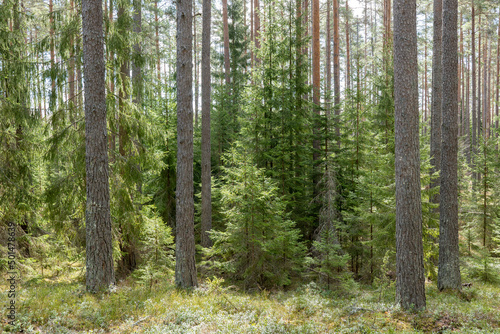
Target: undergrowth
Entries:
(59, 304)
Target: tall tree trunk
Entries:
(185, 265)
(449, 266)
(316, 85)
(474, 110)
(71, 70)
(497, 101)
(328, 50)
(479, 123)
(196, 74)
(206, 187)
(256, 22)
(347, 47)
(437, 86)
(328, 69)
(157, 40)
(459, 78)
(336, 68)
(227, 65)
(53, 96)
(252, 28)
(99, 263)
(410, 284)
(485, 89)
(467, 114)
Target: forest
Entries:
(262, 166)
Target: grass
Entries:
(59, 304)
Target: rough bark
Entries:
(185, 265)
(449, 266)
(437, 91)
(410, 284)
(206, 187)
(99, 258)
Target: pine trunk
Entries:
(473, 110)
(316, 83)
(336, 68)
(206, 187)
(437, 86)
(227, 65)
(410, 284)
(185, 265)
(449, 266)
(99, 257)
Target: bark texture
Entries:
(410, 287)
(437, 94)
(449, 266)
(99, 262)
(185, 265)
(206, 187)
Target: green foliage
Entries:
(260, 245)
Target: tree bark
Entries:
(206, 187)
(437, 86)
(99, 258)
(185, 265)
(410, 284)
(449, 266)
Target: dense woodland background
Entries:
(301, 143)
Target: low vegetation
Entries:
(58, 303)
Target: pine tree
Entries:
(185, 265)
(410, 288)
(100, 269)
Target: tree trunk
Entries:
(196, 74)
(206, 187)
(347, 47)
(498, 83)
(336, 68)
(479, 124)
(71, 70)
(328, 59)
(99, 258)
(449, 266)
(437, 86)
(316, 84)
(474, 112)
(227, 65)
(410, 285)
(185, 265)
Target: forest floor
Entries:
(58, 303)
